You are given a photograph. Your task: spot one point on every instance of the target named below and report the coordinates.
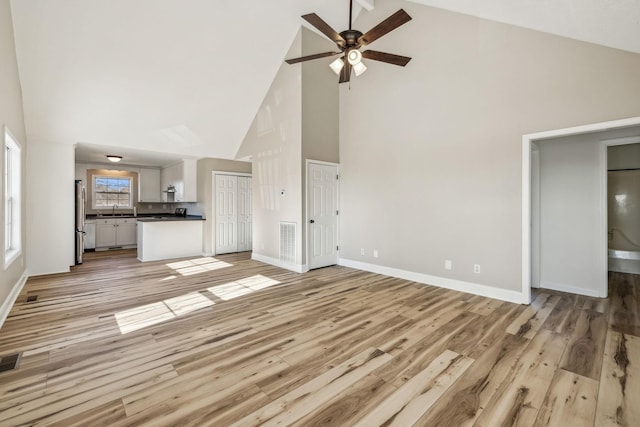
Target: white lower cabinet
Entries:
(113, 232)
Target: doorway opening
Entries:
(623, 205)
(534, 246)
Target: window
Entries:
(12, 203)
(109, 191)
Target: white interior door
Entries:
(244, 214)
(226, 214)
(322, 213)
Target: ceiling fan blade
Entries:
(391, 23)
(386, 57)
(324, 28)
(345, 73)
(310, 57)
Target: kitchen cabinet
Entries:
(90, 234)
(183, 177)
(126, 231)
(149, 186)
(185, 237)
(112, 232)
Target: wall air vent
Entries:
(288, 242)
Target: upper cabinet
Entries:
(183, 178)
(149, 187)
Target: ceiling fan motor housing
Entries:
(351, 38)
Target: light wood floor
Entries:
(230, 341)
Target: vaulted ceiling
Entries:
(187, 76)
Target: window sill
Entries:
(10, 256)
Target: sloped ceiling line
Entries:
(123, 73)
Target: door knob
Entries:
(312, 222)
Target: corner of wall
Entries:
(7, 304)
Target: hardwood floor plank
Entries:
(584, 351)
(308, 397)
(173, 401)
(521, 394)
(415, 397)
(533, 317)
(625, 303)
(571, 401)
(213, 341)
(108, 414)
(346, 408)
(463, 402)
(620, 382)
(58, 406)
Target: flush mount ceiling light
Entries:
(113, 158)
(350, 41)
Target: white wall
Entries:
(273, 143)
(320, 113)
(571, 208)
(50, 208)
(11, 115)
(431, 153)
(624, 156)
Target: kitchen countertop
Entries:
(148, 217)
(170, 218)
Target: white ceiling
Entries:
(92, 153)
(187, 76)
(613, 23)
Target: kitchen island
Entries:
(166, 237)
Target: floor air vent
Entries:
(288, 242)
(32, 298)
(9, 362)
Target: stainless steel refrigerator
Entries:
(80, 200)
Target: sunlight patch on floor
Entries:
(197, 265)
(151, 314)
(241, 287)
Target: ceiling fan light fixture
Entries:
(354, 57)
(337, 65)
(359, 68)
(114, 158)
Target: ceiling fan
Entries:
(350, 41)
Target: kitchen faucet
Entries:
(113, 210)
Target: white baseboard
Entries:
(442, 282)
(298, 268)
(7, 304)
(570, 289)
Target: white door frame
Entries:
(306, 209)
(527, 141)
(213, 203)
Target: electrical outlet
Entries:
(164, 206)
(375, 253)
(150, 206)
(361, 251)
(447, 264)
(476, 268)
